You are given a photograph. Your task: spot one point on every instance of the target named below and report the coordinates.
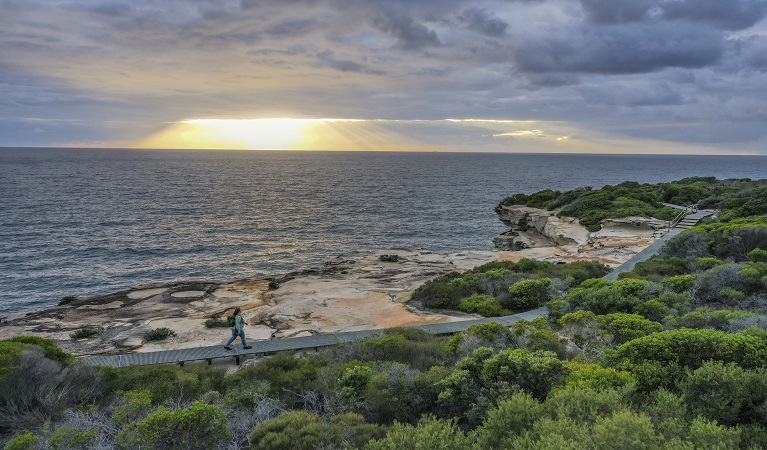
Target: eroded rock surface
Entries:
(351, 292)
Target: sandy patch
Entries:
(145, 293)
(187, 294)
(103, 307)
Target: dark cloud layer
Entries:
(723, 14)
(622, 50)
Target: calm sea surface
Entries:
(88, 221)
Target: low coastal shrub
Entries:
(216, 322)
(86, 332)
(388, 258)
(67, 299)
(159, 334)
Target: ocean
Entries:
(93, 221)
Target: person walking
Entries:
(238, 329)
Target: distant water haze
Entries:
(90, 221)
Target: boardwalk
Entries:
(210, 353)
(181, 356)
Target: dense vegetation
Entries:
(734, 197)
(671, 356)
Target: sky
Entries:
(593, 76)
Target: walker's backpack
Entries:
(230, 321)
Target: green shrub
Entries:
(430, 433)
(625, 327)
(690, 348)
(484, 334)
(300, 430)
(481, 304)
(165, 381)
(216, 322)
(158, 334)
(528, 294)
(50, 349)
(68, 299)
(23, 441)
(535, 372)
(680, 283)
(86, 332)
(70, 438)
(389, 258)
(200, 427)
(757, 255)
(10, 353)
(511, 417)
(593, 376)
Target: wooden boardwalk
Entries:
(208, 354)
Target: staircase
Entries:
(687, 222)
(691, 220)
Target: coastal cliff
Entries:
(531, 228)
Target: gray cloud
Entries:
(409, 33)
(621, 49)
(328, 59)
(631, 94)
(723, 14)
(480, 21)
(292, 28)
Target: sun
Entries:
(252, 134)
(280, 134)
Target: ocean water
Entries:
(92, 221)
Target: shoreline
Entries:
(348, 293)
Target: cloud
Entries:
(409, 33)
(292, 28)
(480, 21)
(722, 14)
(622, 49)
(328, 59)
(631, 94)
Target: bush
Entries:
(726, 393)
(216, 322)
(757, 255)
(50, 349)
(528, 294)
(625, 327)
(68, 299)
(70, 438)
(535, 372)
(86, 332)
(493, 335)
(300, 430)
(389, 258)
(24, 441)
(483, 305)
(166, 382)
(158, 334)
(430, 433)
(200, 426)
(40, 389)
